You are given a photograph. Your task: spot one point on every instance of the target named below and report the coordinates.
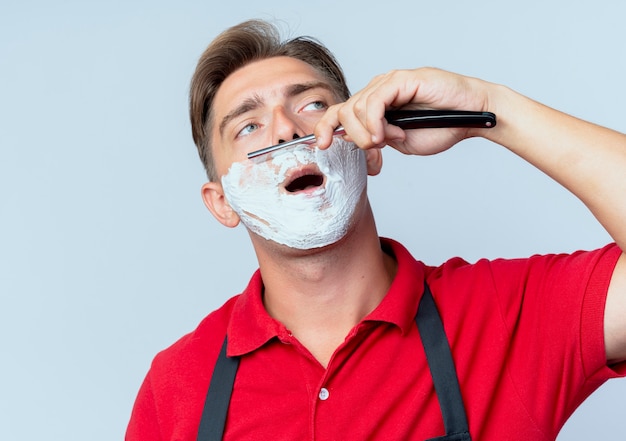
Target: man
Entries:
(323, 343)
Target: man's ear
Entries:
(213, 197)
(374, 161)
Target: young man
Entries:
(323, 343)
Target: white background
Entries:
(107, 254)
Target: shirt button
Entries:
(324, 394)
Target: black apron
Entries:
(439, 360)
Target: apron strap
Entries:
(439, 360)
(441, 367)
(218, 397)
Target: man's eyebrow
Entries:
(246, 106)
(256, 101)
(296, 89)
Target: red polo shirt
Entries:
(526, 336)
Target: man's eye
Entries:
(315, 105)
(248, 129)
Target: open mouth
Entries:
(303, 180)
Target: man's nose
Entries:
(285, 127)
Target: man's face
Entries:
(300, 197)
(264, 103)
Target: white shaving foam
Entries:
(302, 220)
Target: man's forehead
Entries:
(278, 76)
(254, 85)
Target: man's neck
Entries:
(321, 296)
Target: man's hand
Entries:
(362, 116)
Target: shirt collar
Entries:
(251, 327)
(399, 305)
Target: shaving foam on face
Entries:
(301, 220)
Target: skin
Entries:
(587, 159)
(320, 300)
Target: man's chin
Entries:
(303, 249)
(315, 243)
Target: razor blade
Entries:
(406, 120)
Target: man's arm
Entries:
(587, 159)
(144, 422)
(615, 315)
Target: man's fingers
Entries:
(325, 127)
